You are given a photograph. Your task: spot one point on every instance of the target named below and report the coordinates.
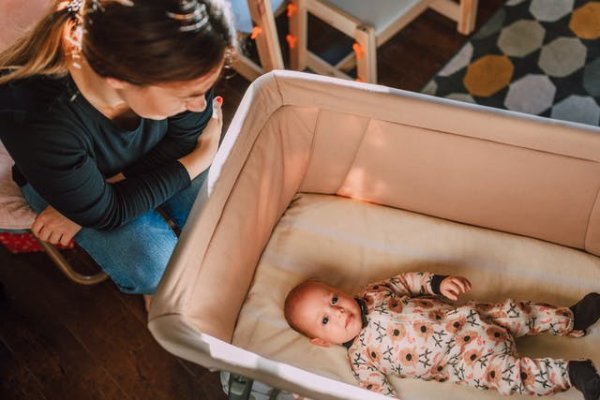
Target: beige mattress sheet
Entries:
(349, 243)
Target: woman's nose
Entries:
(196, 105)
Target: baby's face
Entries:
(328, 314)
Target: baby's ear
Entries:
(320, 342)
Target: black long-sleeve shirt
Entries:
(66, 149)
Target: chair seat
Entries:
(379, 14)
(15, 213)
(241, 14)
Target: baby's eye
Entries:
(334, 299)
(325, 320)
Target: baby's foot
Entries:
(586, 311)
(584, 378)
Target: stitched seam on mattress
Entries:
(589, 221)
(362, 139)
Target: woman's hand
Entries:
(202, 156)
(53, 227)
(453, 286)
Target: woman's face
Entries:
(165, 100)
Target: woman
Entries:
(106, 108)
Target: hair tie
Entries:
(194, 15)
(74, 6)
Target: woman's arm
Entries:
(181, 138)
(202, 156)
(54, 227)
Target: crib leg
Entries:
(239, 387)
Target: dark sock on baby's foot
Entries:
(586, 311)
(584, 378)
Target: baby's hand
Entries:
(454, 286)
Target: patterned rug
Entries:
(535, 56)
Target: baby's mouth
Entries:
(348, 319)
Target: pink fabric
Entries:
(19, 242)
(24, 242)
(15, 213)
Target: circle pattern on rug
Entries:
(534, 56)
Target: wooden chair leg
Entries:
(68, 270)
(297, 41)
(267, 41)
(366, 54)
(468, 16)
(464, 13)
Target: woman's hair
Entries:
(143, 42)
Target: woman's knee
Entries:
(142, 283)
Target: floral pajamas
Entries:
(425, 337)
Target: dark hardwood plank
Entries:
(18, 382)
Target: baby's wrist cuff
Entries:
(436, 282)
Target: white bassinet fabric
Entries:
(299, 133)
(349, 243)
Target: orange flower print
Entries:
(498, 314)
(564, 312)
(380, 290)
(455, 325)
(436, 315)
(525, 307)
(424, 303)
(471, 356)
(408, 357)
(466, 338)
(493, 375)
(369, 300)
(374, 355)
(527, 377)
(497, 334)
(371, 386)
(484, 307)
(423, 329)
(438, 372)
(396, 331)
(394, 304)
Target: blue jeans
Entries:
(136, 254)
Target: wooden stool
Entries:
(264, 33)
(370, 23)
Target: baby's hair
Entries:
(291, 301)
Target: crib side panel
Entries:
(499, 170)
(474, 181)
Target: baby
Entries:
(402, 326)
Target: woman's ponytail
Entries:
(143, 42)
(40, 52)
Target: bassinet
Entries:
(350, 183)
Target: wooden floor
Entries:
(60, 340)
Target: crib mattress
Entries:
(349, 243)
(348, 182)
